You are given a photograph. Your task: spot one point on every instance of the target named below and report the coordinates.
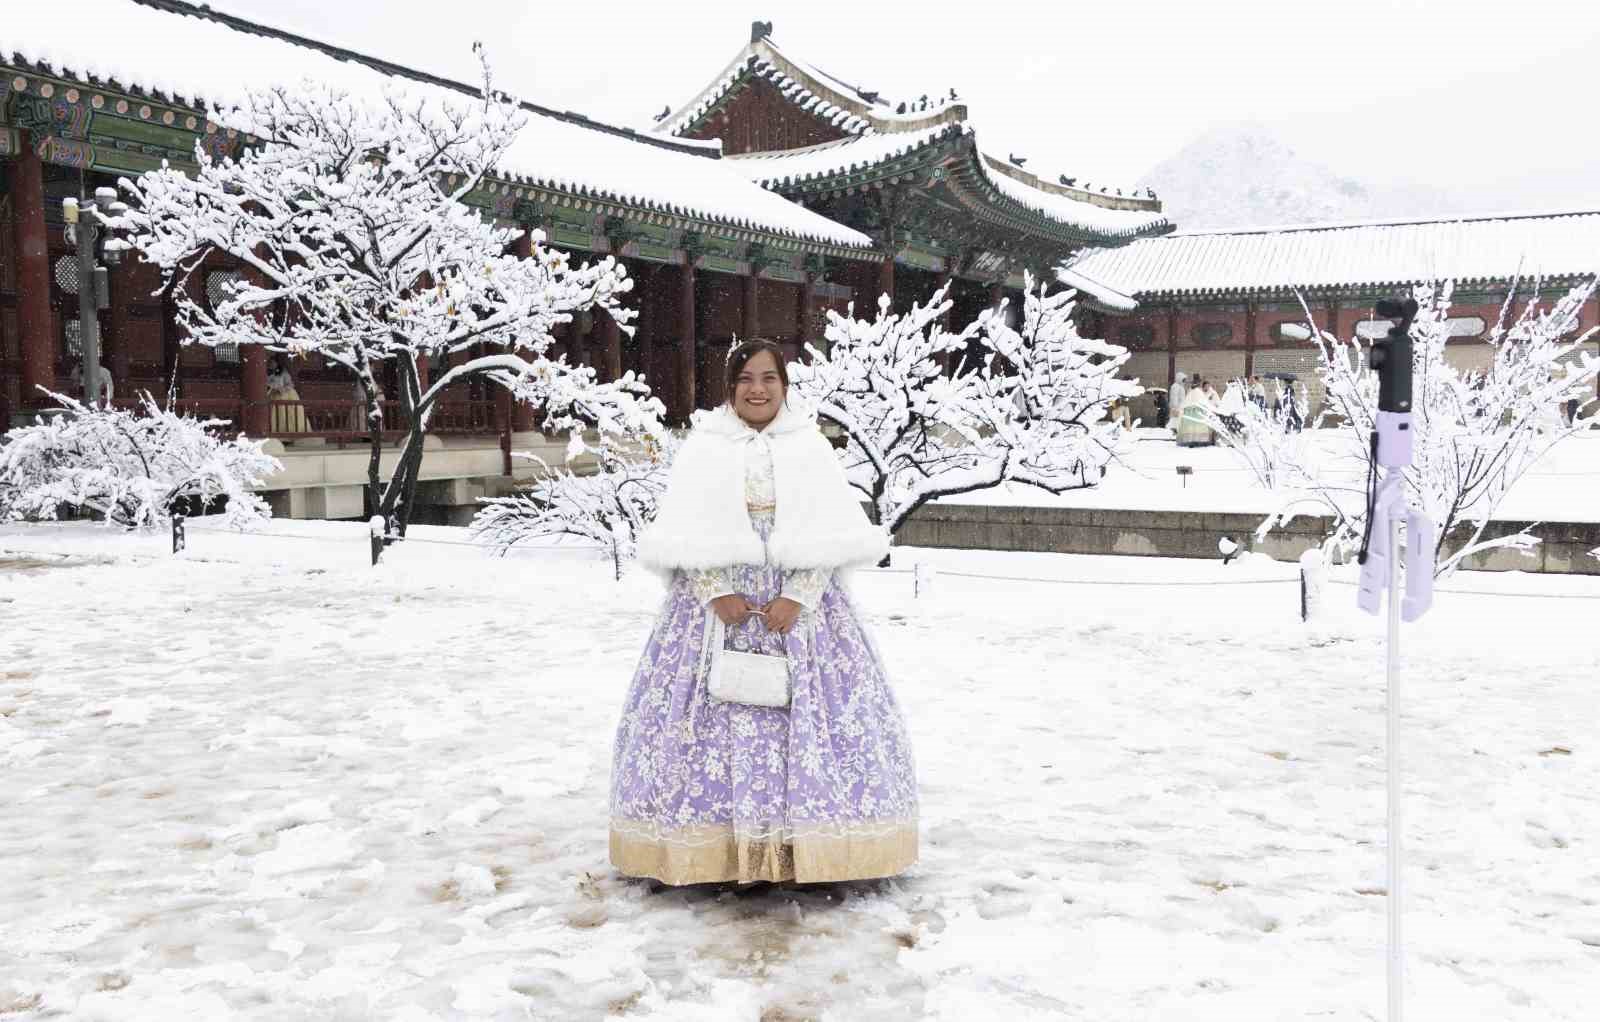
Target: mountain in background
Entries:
(1246, 175)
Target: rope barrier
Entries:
(1115, 582)
(1490, 592)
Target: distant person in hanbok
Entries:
(755, 528)
(1175, 397)
(1194, 427)
(286, 418)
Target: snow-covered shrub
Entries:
(351, 222)
(611, 506)
(1475, 432)
(133, 468)
(1030, 408)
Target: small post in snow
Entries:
(922, 576)
(179, 538)
(378, 528)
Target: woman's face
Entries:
(758, 392)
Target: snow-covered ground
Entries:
(1562, 486)
(262, 780)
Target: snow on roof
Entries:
(848, 107)
(190, 55)
(784, 168)
(1097, 292)
(1504, 247)
(780, 167)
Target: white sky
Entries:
(1453, 92)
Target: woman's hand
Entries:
(733, 608)
(782, 613)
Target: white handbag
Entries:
(758, 679)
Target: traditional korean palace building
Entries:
(775, 194)
(1228, 303)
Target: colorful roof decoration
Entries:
(192, 58)
(1526, 247)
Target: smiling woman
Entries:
(756, 525)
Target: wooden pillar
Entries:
(253, 389)
(257, 419)
(37, 339)
(1333, 317)
(886, 281)
(611, 335)
(171, 338)
(577, 340)
(684, 353)
(946, 358)
(114, 344)
(802, 326)
(1172, 345)
(1249, 339)
(752, 314)
(522, 414)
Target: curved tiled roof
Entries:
(783, 169)
(194, 56)
(848, 107)
(877, 132)
(1368, 254)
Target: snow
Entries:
(1528, 247)
(197, 60)
(1145, 479)
(380, 793)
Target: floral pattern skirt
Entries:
(707, 791)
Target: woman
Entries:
(1194, 423)
(755, 527)
(286, 418)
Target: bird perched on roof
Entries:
(663, 114)
(1068, 181)
(1018, 160)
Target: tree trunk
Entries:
(369, 400)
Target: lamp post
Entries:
(87, 220)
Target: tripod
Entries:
(1387, 509)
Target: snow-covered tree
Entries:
(610, 506)
(1030, 408)
(134, 468)
(357, 246)
(1055, 388)
(1475, 432)
(1267, 440)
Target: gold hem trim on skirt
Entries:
(704, 855)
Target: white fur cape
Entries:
(702, 521)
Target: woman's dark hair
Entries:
(740, 356)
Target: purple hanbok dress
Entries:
(707, 791)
